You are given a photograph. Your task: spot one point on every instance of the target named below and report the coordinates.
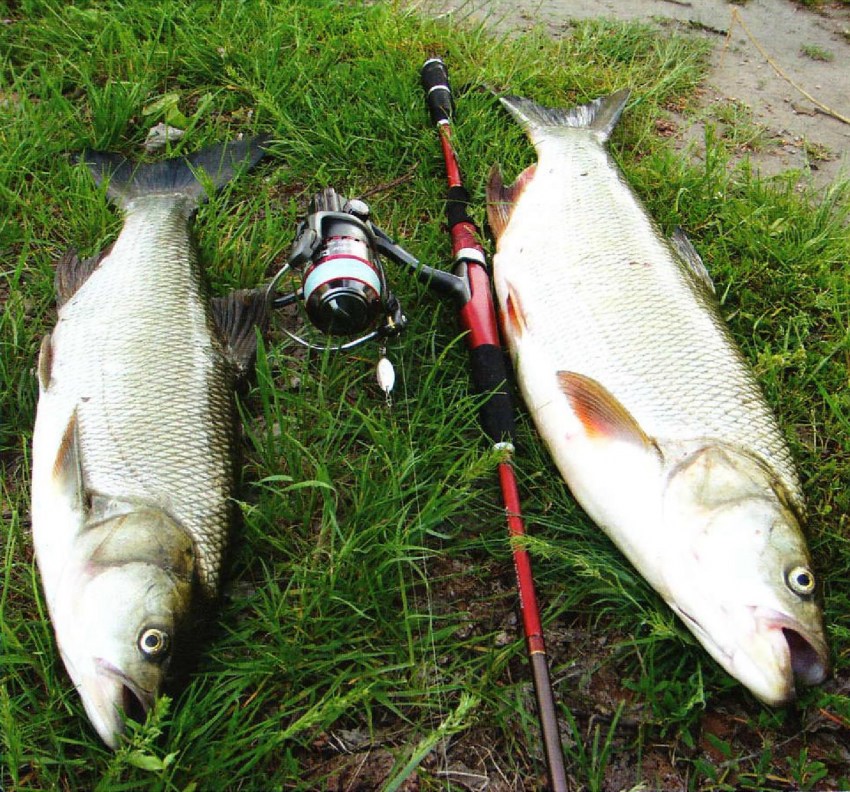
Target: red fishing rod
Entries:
(470, 288)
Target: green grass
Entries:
(368, 618)
(734, 122)
(817, 53)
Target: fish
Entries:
(649, 410)
(136, 438)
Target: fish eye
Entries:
(154, 643)
(800, 580)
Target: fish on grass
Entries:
(135, 443)
(649, 410)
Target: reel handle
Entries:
(438, 92)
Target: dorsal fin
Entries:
(688, 253)
(501, 199)
(601, 414)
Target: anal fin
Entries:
(72, 272)
(501, 198)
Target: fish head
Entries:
(125, 599)
(739, 575)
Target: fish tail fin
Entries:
(599, 116)
(219, 164)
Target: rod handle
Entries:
(489, 376)
(438, 92)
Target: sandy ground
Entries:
(789, 64)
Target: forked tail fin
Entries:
(599, 116)
(188, 176)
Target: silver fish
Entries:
(135, 440)
(649, 410)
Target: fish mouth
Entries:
(771, 657)
(805, 654)
(805, 660)
(110, 696)
(135, 700)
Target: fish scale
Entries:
(171, 442)
(662, 349)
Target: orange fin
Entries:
(501, 199)
(513, 307)
(600, 413)
(67, 468)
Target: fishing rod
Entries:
(470, 289)
(344, 291)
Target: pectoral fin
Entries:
(68, 467)
(238, 315)
(45, 362)
(601, 414)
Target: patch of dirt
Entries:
(728, 749)
(782, 62)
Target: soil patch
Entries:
(781, 65)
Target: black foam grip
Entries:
(489, 375)
(456, 206)
(438, 92)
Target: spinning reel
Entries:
(344, 289)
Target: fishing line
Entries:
(427, 640)
(825, 109)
